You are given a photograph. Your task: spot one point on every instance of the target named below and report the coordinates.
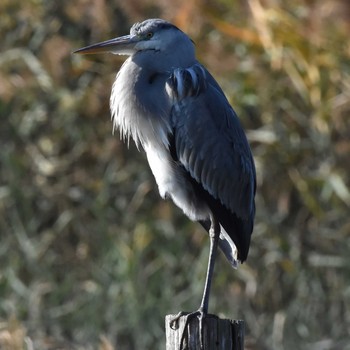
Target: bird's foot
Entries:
(200, 314)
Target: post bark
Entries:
(218, 334)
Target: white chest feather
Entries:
(173, 182)
(140, 106)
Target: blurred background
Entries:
(92, 258)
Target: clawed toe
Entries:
(174, 324)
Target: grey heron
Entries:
(173, 108)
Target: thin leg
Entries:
(214, 234)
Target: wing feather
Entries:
(214, 154)
(211, 145)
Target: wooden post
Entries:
(218, 334)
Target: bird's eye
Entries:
(149, 35)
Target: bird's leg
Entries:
(201, 313)
(214, 234)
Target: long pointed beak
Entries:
(124, 45)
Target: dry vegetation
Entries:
(91, 258)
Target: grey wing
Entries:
(211, 145)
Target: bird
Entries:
(172, 107)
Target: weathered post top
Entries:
(217, 334)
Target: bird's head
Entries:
(151, 34)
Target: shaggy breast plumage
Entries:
(135, 112)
